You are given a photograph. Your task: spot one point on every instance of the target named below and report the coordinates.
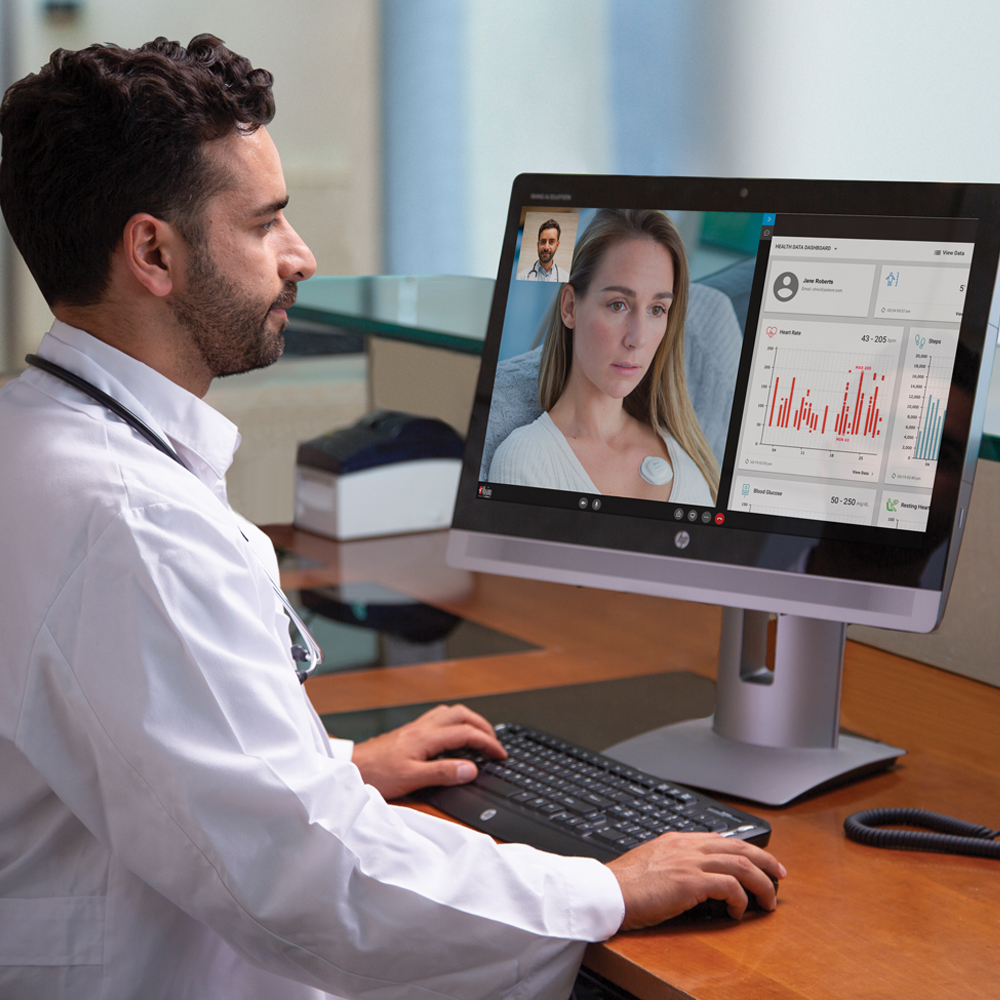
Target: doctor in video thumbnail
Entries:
(617, 418)
(546, 268)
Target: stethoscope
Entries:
(536, 270)
(307, 658)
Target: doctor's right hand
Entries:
(666, 876)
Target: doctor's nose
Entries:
(298, 262)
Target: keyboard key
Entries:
(497, 785)
(608, 834)
(573, 804)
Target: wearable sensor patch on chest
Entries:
(655, 470)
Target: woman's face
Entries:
(619, 323)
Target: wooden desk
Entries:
(852, 921)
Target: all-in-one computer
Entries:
(820, 430)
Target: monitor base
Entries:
(692, 753)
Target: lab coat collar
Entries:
(187, 421)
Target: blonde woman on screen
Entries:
(617, 418)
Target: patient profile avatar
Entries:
(785, 287)
(545, 268)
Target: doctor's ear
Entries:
(150, 247)
(567, 306)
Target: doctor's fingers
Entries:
(451, 714)
(429, 742)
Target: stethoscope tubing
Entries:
(312, 656)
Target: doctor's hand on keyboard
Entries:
(665, 877)
(403, 760)
(659, 879)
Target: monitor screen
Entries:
(756, 393)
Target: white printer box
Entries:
(387, 500)
(389, 474)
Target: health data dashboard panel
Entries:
(849, 380)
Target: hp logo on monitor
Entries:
(682, 539)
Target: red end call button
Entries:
(719, 518)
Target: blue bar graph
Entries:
(929, 437)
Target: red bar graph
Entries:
(854, 411)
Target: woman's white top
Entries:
(539, 455)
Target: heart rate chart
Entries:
(837, 392)
(916, 441)
(819, 399)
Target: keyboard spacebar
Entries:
(497, 786)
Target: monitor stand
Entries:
(776, 733)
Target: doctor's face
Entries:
(243, 270)
(621, 320)
(548, 244)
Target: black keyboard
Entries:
(561, 798)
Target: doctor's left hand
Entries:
(400, 761)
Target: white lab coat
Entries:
(535, 273)
(173, 821)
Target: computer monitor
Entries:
(806, 459)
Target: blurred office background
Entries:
(402, 122)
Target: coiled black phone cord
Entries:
(952, 836)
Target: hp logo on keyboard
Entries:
(487, 814)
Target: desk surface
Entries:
(852, 921)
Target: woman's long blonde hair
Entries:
(661, 399)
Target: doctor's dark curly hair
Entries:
(99, 135)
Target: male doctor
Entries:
(174, 821)
(546, 268)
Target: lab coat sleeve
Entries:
(163, 709)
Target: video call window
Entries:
(620, 383)
(547, 241)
